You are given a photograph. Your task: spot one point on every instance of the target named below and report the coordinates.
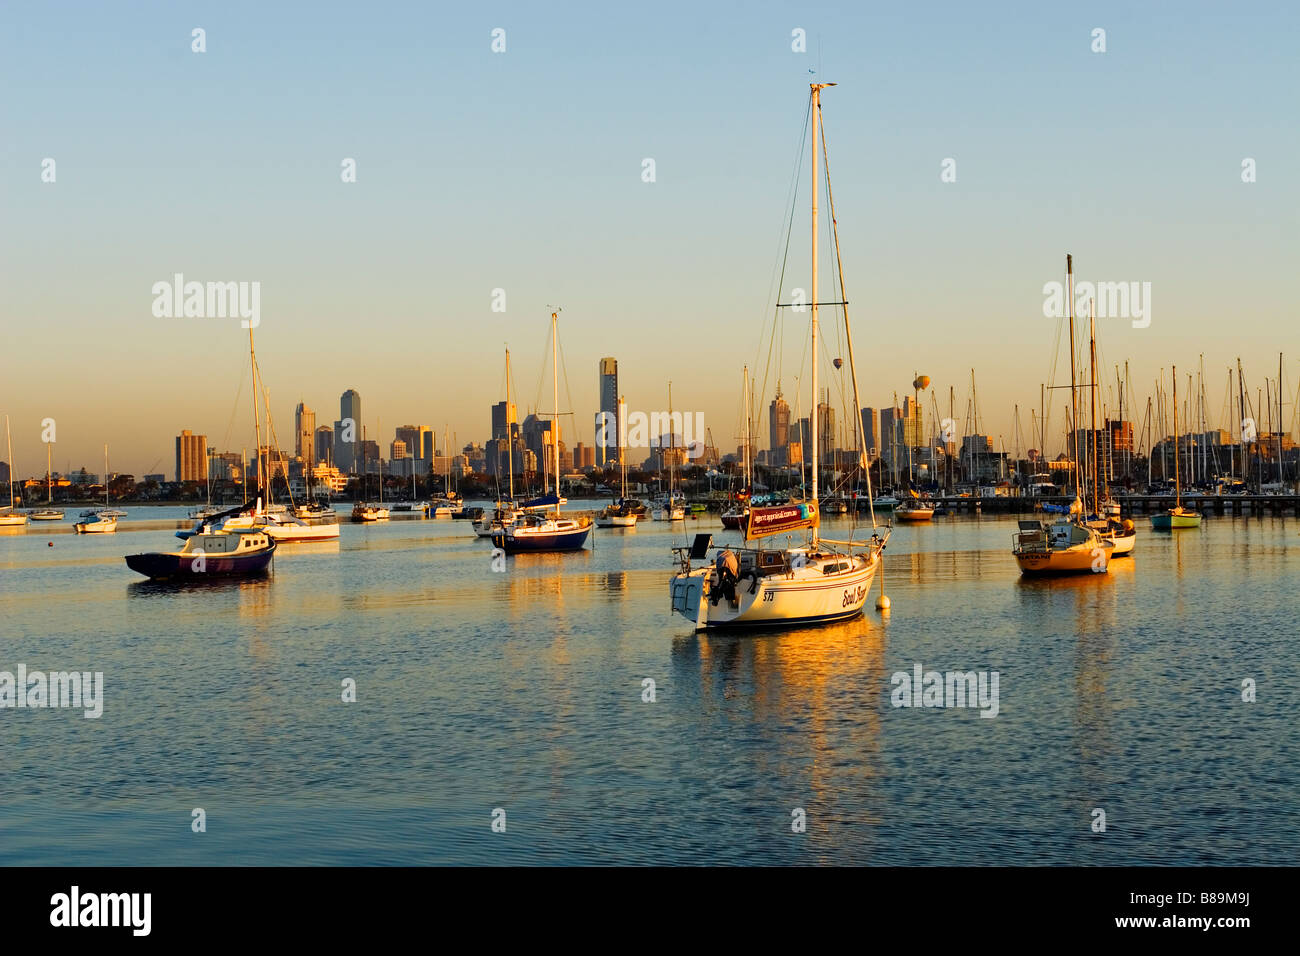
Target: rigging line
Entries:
(776, 338)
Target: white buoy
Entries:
(882, 603)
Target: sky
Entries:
(523, 171)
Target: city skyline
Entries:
(389, 275)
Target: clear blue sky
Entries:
(522, 171)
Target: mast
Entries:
(744, 452)
(1281, 478)
(105, 477)
(1092, 365)
(555, 389)
(510, 435)
(672, 450)
(1178, 488)
(257, 420)
(49, 487)
(1241, 425)
(816, 411)
(1074, 400)
(10, 446)
(622, 459)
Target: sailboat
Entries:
(1067, 545)
(9, 518)
(278, 523)
(821, 581)
(534, 531)
(504, 514)
(101, 522)
(913, 507)
(364, 511)
(1121, 533)
(670, 508)
(1176, 517)
(622, 513)
(49, 512)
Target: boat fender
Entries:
(1128, 524)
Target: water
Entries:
(522, 690)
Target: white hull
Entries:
(804, 595)
(102, 526)
(12, 521)
(666, 514)
(615, 521)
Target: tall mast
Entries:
(106, 477)
(1074, 399)
(555, 422)
(622, 459)
(816, 423)
(49, 487)
(10, 446)
(1280, 476)
(744, 452)
(1092, 365)
(1241, 426)
(1178, 488)
(510, 434)
(257, 421)
(672, 450)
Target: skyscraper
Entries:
(324, 448)
(608, 438)
(304, 423)
(778, 416)
(504, 414)
(347, 432)
(870, 434)
(191, 457)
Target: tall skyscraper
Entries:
(347, 432)
(826, 436)
(870, 434)
(608, 438)
(504, 414)
(304, 423)
(323, 450)
(778, 417)
(191, 457)
(913, 423)
(415, 437)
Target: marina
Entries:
(436, 533)
(1125, 692)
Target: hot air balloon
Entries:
(922, 381)
(839, 363)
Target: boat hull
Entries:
(1065, 561)
(96, 527)
(518, 542)
(1172, 522)
(779, 600)
(913, 514)
(159, 566)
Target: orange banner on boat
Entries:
(780, 519)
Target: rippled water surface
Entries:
(522, 690)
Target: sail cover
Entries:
(780, 520)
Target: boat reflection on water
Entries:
(151, 589)
(790, 690)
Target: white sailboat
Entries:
(9, 518)
(620, 514)
(821, 581)
(49, 512)
(671, 508)
(101, 522)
